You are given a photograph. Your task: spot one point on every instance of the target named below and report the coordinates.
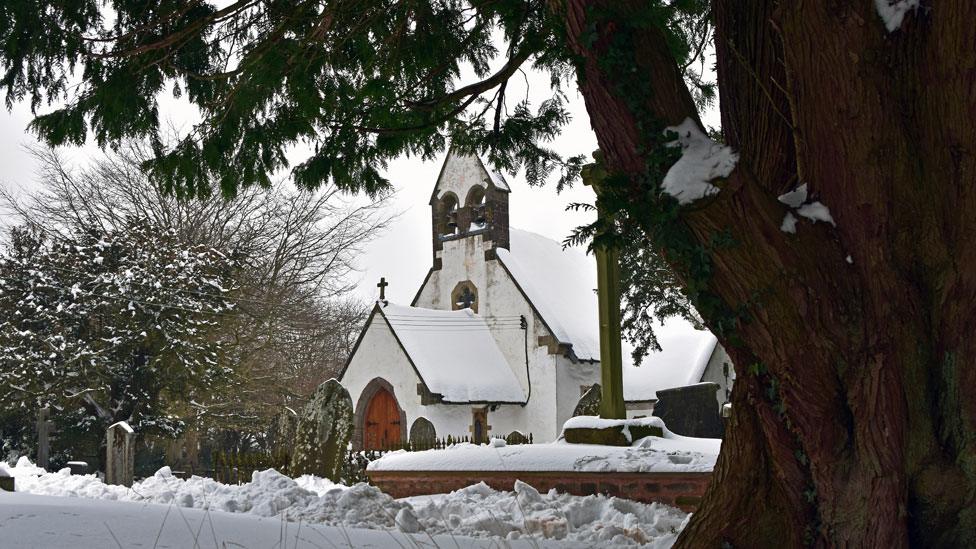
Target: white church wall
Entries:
(541, 416)
(456, 419)
(715, 372)
(500, 298)
(640, 409)
(572, 377)
(379, 355)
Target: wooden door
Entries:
(382, 422)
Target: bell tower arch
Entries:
(468, 200)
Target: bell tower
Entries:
(468, 200)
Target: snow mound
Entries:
(477, 510)
(595, 520)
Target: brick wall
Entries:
(682, 490)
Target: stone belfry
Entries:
(468, 200)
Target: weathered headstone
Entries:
(43, 437)
(517, 437)
(608, 433)
(422, 434)
(692, 411)
(589, 403)
(281, 434)
(78, 467)
(6, 483)
(323, 433)
(120, 454)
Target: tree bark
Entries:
(850, 422)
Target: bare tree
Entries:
(297, 250)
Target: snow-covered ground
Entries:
(267, 512)
(32, 521)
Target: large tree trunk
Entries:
(852, 422)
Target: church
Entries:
(502, 334)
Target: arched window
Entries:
(464, 296)
(448, 222)
(479, 211)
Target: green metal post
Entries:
(608, 289)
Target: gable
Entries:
(452, 353)
(461, 172)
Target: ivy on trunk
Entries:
(849, 426)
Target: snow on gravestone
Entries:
(120, 454)
(324, 428)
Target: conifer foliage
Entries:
(109, 325)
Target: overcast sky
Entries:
(402, 254)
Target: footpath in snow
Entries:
(273, 503)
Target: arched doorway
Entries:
(382, 429)
(382, 410)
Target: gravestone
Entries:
(281, 434)
(692, 411)
(422, 434)
(78, 467)
(323, 432)
(6, 483)
(120, 454)
(517, 437)
(44, 428)
(589, 403)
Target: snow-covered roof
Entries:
(497, 179)
(561, 284)
(454, 354)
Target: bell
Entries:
(452, 220)
(479, 215)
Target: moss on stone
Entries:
(610, 436)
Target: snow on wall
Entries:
(238, 515)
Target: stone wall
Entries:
(682, 490)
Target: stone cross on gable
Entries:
(467, 297)
(382, 286)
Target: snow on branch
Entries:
(812, 210)
(893, 12)
(702, 161)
